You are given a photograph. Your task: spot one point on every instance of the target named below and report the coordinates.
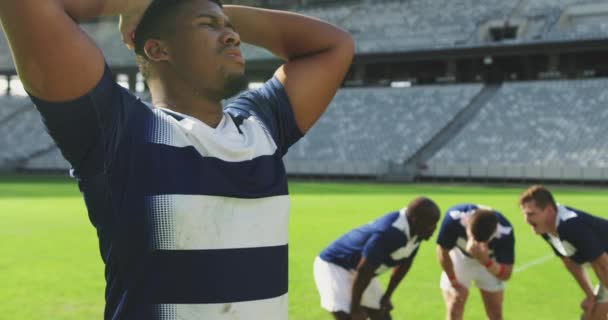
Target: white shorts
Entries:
(335, 285)
(466, 270)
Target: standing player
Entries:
(344, 272)
(577, 238)
(182, 193)
(474, 244)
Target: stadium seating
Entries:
(364, 130)
(528, 126)
(9, 106)
(397, 25)
(386, 26)
(106, 35)
(22, 136)
(48, 161)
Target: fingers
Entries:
(130, 40)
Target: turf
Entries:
(50, 266)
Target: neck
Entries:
(553, 222)
(412, 227)
(181, 98)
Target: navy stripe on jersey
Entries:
(252, 179)
(216, 276)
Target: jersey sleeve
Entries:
(87, 129)
(587, 244)
(271, 104)
(447, 233)
(504, 252)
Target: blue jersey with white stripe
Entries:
(582, 237)
(385, 242)
(192, 220)
(452, 233)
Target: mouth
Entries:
(235, 54)
(534, 227)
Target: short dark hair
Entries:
(541, 196)
(483, 224)
(155, 22)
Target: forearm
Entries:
(396, 278)
(77, 9)
(445, 261)
(579, 275)
(360, 284)
(600, 267)
(85, 10)
(287, 35)
(499, 270)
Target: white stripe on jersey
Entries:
(223, 142)
(269, 309)
(197, 222)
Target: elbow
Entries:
(348, 44)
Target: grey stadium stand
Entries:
(540, 129)
(364, 130)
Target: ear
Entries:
(156, 50)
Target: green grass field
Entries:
(50, 266)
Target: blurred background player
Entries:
(474, 244)
(181, 190)
(345, 271)
(577, 238)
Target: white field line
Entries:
(533, 263)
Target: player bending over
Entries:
(577, 238)
(345, 271)
(474, 244)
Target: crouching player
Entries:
(577, 238)
(475, 244)
(345, 271)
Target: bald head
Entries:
(423, 214)
(423, 208)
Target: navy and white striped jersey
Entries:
(192, 220)
(581, 236)
(385, 242)
(452, 233)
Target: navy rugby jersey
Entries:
(385, 242)
(582, 237)
(452, 233)
(192, 220)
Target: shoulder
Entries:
(502, 220)
(568, 218)
(269, 94)
(454, 215)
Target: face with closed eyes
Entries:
(203, 50)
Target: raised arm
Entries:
(318, 55)
(55, 60)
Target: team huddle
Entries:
(475, 244)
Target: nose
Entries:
(231, 38)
